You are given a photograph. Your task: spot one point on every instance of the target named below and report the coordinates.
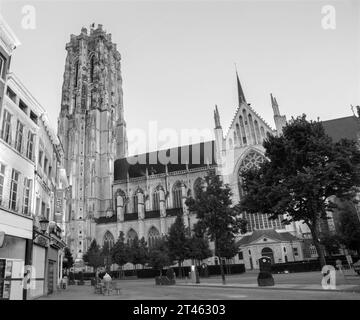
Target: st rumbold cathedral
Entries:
(141, 195)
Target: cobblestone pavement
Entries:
(146, 289)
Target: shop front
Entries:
(15, 235)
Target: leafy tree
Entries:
(93, 256)
(159, 256)
(198, 248)
(304, 170)
(68, 261)
(177, 242)
(216, 216)
(106, 255)
(120, 252)
(349, 226)
(331, 242)
(138, 252)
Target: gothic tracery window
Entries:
(131, 235)
(92, 66)
(177, 195)
(156, 200)
(153, 237)
(108, 239)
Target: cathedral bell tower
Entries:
(92, 130)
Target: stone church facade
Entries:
(142, 194)
(91, 128)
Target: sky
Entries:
(178, 58)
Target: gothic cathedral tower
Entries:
(92, 130)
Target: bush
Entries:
(306, 266)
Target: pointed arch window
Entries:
(242, 127)
(76, 73)
(154, 236)
(108, 239)
(177, 195)
(198, 185)
(135, 202)
(156, 200)
(92, 67)
(131, 235)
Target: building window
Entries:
(240, 255)
(2, 181)
(312, 250)
(2, 65)
(48, 213)
(296, 252)
(108, 239)
(41, 153)
(30, 146)
(23, 106)
(154, 236)
(33, 117)
(42, 209)
(76, 73)
(156, 200)
(26, 202)
(135, 203)
(92, 66)
(177, 195)
(19, 136)
(45, 164)
(11, 94)
(14, 189)
(131, 235)
(6, 127)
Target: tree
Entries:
(120, 252)
(198, 248)
(138, 252)
(349, 226)
(159, 256)
(93, 256)
(331, 242)
(68, 261)
(106, 255)
(216, 216)
(177, 242)
(304, 169)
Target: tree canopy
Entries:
(217, 218)
(93, 256)
(304, 169)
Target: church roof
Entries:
(269, 233)
(346, 127)
(195, 155)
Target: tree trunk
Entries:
(196, 273)
(180, 270)
(221, 265)
(315, 238)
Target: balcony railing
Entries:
(174, 212)
(130, 216)
(152, 214)
(102, 220)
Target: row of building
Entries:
(33, 188)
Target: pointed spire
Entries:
(274, 105)
(240, 90)
(217, 118)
